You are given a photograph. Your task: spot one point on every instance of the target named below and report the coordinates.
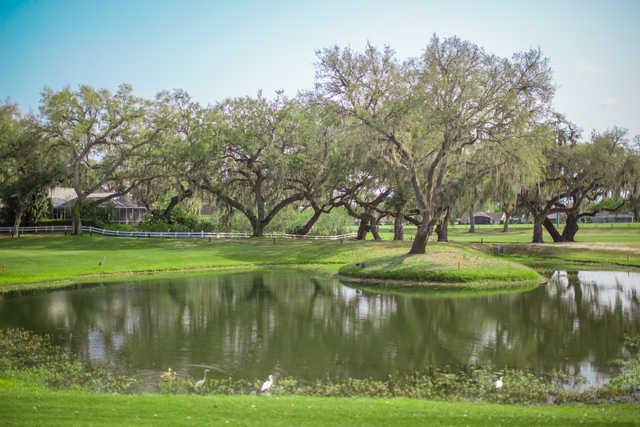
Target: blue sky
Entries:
(222, 49)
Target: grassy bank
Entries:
(49, 261)
(30, 367)
(53, 258)
(444, 265)
(37, 261)
(20, 406)
(521, 233)
(568, 256)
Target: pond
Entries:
(248, 324)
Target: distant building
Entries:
(126, 210)
(611, 217)
(483, 218)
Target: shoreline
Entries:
(399, 284)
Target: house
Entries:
(125, 210)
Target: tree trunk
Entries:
(537, 229)
(16, 222)
(419, 245)
(398, 229)
(505, 226)
(375, 232)
(258, 228)
(570, 227)
(76, 219)
(168, 212)
(555, 235)
(302, 231)
(443, 229)
(472, 223)
(363, 228)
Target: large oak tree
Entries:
(428, 109)
(99, 135)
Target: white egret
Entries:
(499, 384)
(267, 384)
(200, 383)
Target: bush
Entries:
(289, 220)
(36, 357)
(629, 378)
(336, 222)
(220, 221)
(48, 222)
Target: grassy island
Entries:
(444, 266)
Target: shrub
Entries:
(629, 378)
(36, 357)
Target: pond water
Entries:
(248, 324)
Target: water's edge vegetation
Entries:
(33, 360)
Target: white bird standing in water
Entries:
(267, 384)
(499, 384)
(200, 383)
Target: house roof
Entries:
(65, 197)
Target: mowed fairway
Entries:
(522, 233)
(34, 259)
(56, 258)
(19, 406)
(46, 258)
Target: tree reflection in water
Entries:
(309, 327)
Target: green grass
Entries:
(36, 261)
(32, 406)
(53, 258)
(522, 233)
(61, 260)
(565, 256)
(445, 264)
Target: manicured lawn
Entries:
(47, 258)
(522, 233)
(569, 256)
(60, 260)
(66, 259)
(19, 406)
(52, 258)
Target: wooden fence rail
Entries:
(171, 235)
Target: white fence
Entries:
(171, 235)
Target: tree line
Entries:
(416, 140)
